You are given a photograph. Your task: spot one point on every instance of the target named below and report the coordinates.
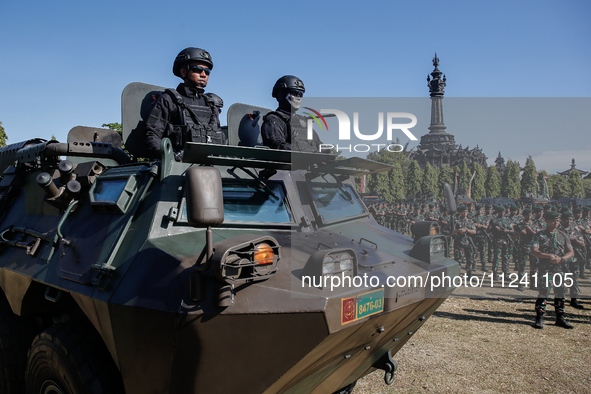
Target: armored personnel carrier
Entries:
(217, 274)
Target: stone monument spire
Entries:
(436, 90)
(438, 147)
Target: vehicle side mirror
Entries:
(450, 201)
(205, 201)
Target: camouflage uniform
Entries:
(480, 239)
(463, 246)
(553, 243)
(502, 251)
(537, 224)
(523, 246)
(487, 217)
(573, 263)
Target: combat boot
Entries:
(560, 322)
(539, 323)
(576, 304)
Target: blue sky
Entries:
(65, 63)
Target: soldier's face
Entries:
(552, 224)
(195, 76)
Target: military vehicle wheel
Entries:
(64, 359)
(347, 389)
(13, 350)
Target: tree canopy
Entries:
(3, 136)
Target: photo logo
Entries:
(316, 119)
(392, 121)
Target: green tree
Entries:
(492, 185)
(446, 175)
(430, 179)
(510, 185)
(389, 185)
(119, 129)
(114, 126)
(465, 175)
(3, 136)
(413, 178)
(574, 182)
(528, 178)
(560, 186)
(478, 190)
(586, 183)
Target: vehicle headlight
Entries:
(246, 258)
(332, 262)
(430, 249)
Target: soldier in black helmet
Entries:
(186, 114)
(282, 128)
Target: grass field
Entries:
(486, 345)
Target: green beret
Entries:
(526, 211)
(548, 206)
(431, 205)
(462, 208)
(564, 208)
(551, 215)
(478, 206)
(513, 208)
(498, 207)
(537, 208)
(566, 215)
(488, 206)
(577, 210)
(586, 208)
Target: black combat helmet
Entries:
(191, 55)
(288, 82)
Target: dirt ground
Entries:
(486, 345)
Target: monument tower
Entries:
(439, 147)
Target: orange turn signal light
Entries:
(433, 231)
(263, 254)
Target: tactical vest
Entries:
(297, 132)
(198, 123)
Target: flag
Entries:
(537, 184)
(470, 184)
(456, 184)
(363, 184)
(546, 191)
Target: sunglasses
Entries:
(199, 69)
(296, 93)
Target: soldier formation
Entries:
(554, 240)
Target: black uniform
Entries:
(184, 115)
(283, 131)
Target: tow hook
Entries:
(389, 365)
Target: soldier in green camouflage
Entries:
(578, 244)
(583, 223)
(537, 224)
(501, 229)
(523, 244)
(463, 244)
(553, 248)
(415, 216)
(515, 218)
(480, 239)
(487, 217)
(430, 214)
